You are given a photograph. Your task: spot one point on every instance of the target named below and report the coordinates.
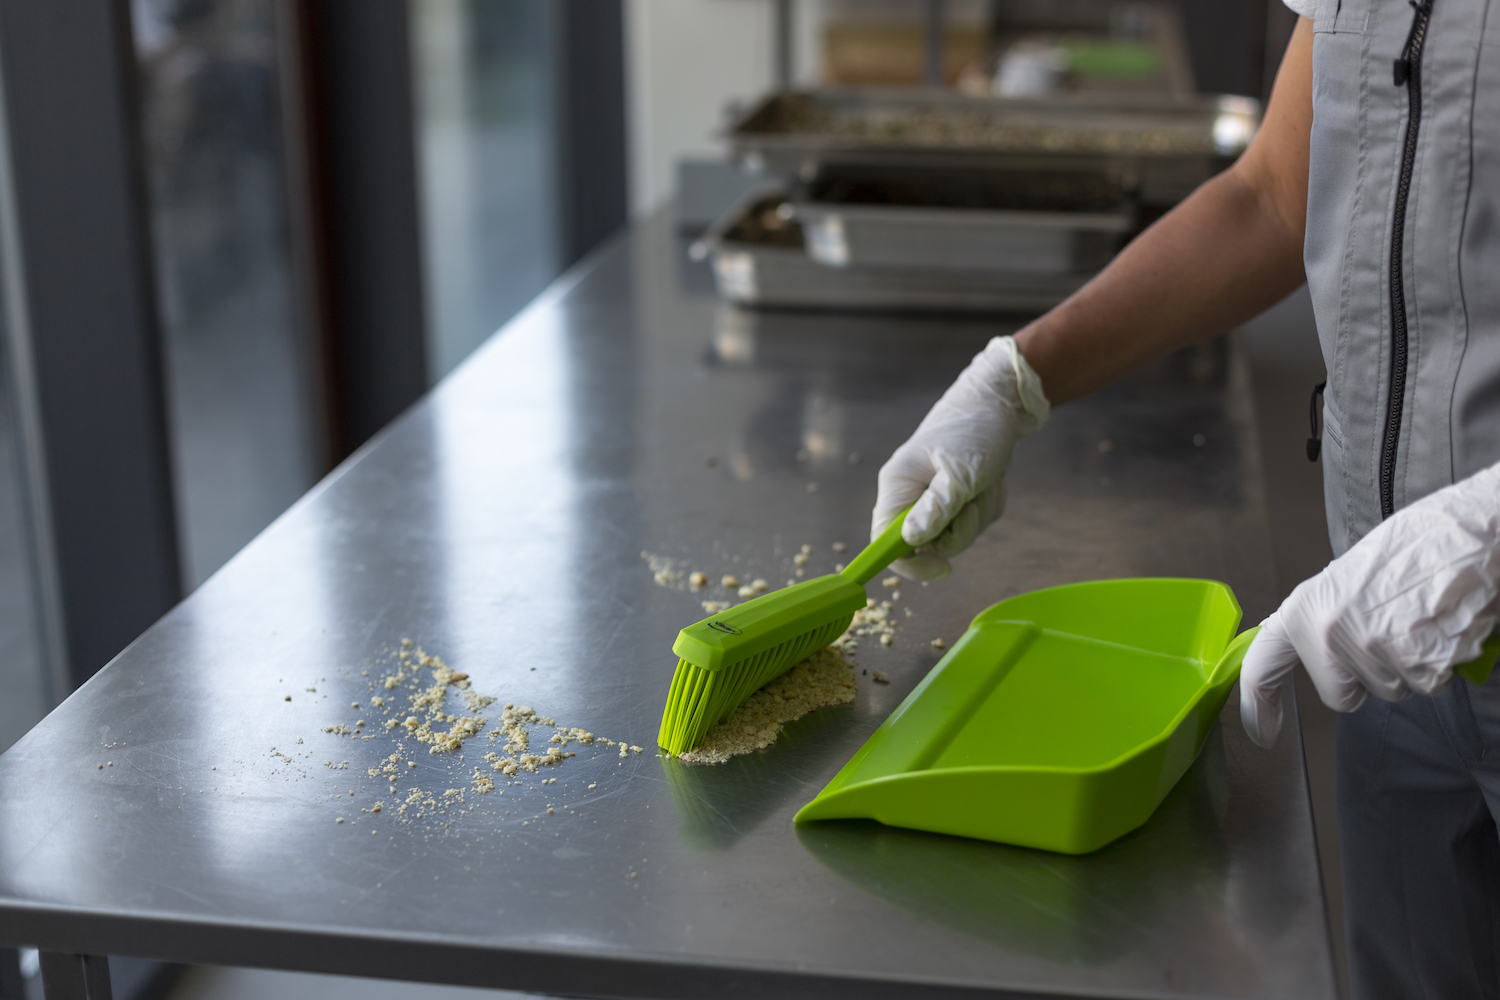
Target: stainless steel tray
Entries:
(1160, 146)
(759, 258)
(1020, 243)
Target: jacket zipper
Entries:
(1407, 70)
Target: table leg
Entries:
(67, 976)
(12, 986)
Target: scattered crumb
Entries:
(714, 607)
(666, 571)
(872, 620)
(730, 581)
(800, 558)
(939, 644)
(415, 708)
(839, 546)
(881, 677)
(891, 581)
(698, 580)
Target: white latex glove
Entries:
(1392, 616)
(953, 466)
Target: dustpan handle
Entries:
(1476, 671)
(880, 553)
(1229, 663)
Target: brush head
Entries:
(727, 657)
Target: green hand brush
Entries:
(726, 658)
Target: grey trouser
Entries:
(1418, 797)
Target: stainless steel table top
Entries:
(501, 525)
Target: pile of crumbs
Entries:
(824, 678)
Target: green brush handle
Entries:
(1478, 671)
(880, 553)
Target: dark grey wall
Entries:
(591, 152)
(1236, 45)
(1227, 44)
(359, 83)
(82, 333)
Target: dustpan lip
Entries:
(1223, 587)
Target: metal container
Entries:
(759, 258)
(1161, 147)
(1017, 222)
(1020, 243)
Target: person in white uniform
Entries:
(1375, 178)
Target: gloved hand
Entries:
(953, 466)
(1392, 616)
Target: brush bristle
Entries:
(700, 699)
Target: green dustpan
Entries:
(1060, 720)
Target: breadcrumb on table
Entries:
(824, 678)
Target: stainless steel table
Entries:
(501, 525)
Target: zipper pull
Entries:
(1314, 443)
(1401, 66)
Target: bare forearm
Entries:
(1214, 262)
(1225, 254)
